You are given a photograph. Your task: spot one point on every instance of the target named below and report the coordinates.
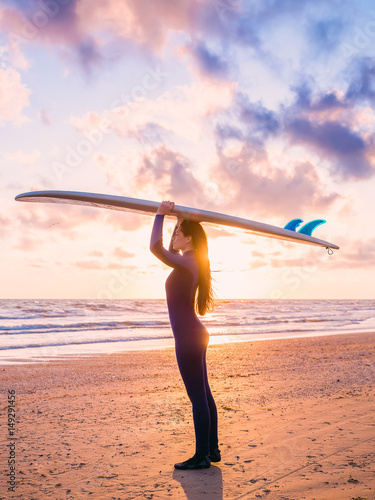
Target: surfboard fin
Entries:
(310, 226)
(293, 224)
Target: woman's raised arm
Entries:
(170, 257)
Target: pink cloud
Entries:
(27, 244)
(64, 220)
(136, 20)
(122, 221)
(44, 117)
(96, 253)
(44, 217)
(50, 22)
(89, 264)
(250, 184)
(358, 255)
(14, 97)
(82, 29)
(184, 112)
(21, 158)
(241, 191)
(120, 252)
(5, 225)
(257, 264)
(100, 265)
(170, 171)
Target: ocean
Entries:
(40, 330)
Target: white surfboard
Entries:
(150, 208)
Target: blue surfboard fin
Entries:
(293, 224)
(310, 226)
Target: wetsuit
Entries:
(191, 336)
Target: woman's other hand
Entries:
(166, 208)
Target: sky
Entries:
(259, 109)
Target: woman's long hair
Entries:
(205, 300)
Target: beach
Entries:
(296, 421)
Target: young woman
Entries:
(191, 273)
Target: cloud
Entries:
(326, 34)
(170, 172)
(209, 62)
(245, 175)
(337, 142)
(12, 55)
(242, 178)
(42, 20)
(240, 175)
(120, 220)
(362, 85)
(123, 254)
(90, 264)
(99, 265)
(5, 225)
(88, 31)
(181, 119)
(306, 101)
(183, 112)
(38, 225)
(88, 55)
(27, 243)
(96, 253)
(14, 97)
(358, 254)
(39, 217)
(44, 117)
(136, 21)
(94, 33)
(63, 221)
(272, 191)
(259, 120)
(21, 158)
(328, 124)
(50, 22)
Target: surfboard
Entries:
(147, 207)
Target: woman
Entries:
(191, 272)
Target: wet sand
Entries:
(296, 421)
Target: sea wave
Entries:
(42, 324)
(56, 327)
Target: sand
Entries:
(296, 421)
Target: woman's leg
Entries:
(213, 436)
(191, 362)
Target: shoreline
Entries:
(33, 355)
(295, 421)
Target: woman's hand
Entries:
(166, 208)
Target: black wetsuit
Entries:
(191, 336)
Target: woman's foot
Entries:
(215, 455)
(198, 461)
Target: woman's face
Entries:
(179, 240)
